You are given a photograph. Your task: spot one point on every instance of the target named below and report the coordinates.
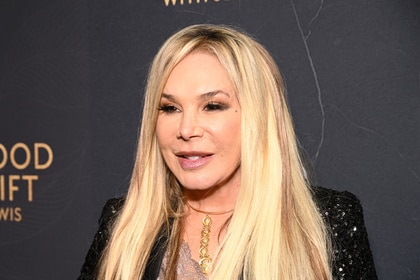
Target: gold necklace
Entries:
(205, 260)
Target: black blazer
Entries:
(342, 211)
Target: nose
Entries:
(189, 126)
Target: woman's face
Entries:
(198, 127)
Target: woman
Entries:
(218, 189)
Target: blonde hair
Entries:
(281, 236)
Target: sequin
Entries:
(341, 211)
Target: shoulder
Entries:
(326, 197)
(332, 202)
(111, 210)
(109, 214)
(343, 216)
(342, 212)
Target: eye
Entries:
(212, 106)
(168, 109)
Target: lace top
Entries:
(187, 267)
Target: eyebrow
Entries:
(204, 96)
(213, 93)
(168, 96)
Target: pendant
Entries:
(205, 260)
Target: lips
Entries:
(193, 160)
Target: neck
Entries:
(212, 200)
(209, 212)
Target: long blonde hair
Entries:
(275, 231)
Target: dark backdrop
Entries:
(71, 81)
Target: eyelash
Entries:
(168, 108)
(211, 106)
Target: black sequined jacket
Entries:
(342, 211)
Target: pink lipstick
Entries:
(193, 160)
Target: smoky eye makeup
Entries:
(216, 100)
(209, 102)
(168, 108)
(167, 104)
(215, 106)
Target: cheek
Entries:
(163, 143)
(229, 133)
(162, 134)
(236, 135)
(233, 128)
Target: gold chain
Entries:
(205, 260)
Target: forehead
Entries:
(197, 73)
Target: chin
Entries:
(196, 185)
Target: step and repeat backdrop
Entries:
(72, 75)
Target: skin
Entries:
(198, 132)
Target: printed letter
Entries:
(30, 178)
(13, 158)
(4, 152)
(47, 148)
(167, 2)
(12, 188)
